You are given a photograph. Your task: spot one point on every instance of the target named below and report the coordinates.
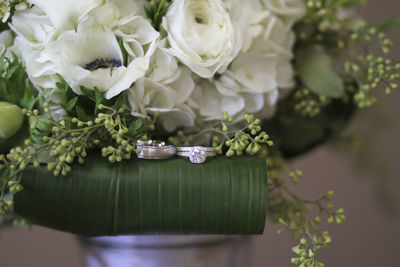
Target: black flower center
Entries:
(103, 63)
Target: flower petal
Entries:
(66, 14)
(135, 70)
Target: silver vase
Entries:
(167, 251)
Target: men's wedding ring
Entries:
(152, 149)
(196, 154)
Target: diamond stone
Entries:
(197, 155)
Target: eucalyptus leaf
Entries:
(221, 196)
(389, 24)
(315, 71)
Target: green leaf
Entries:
(314, 69)
(91, 94)
(99, 96)
(389, 24)
(27, 100)
(119, 102)
(221, 196)
(34, 101)
(295, 134)
(71, 104)
(135, 126)
(44, 124)
(81, 114)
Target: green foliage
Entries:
(371, 71)
(297, 215)
(15, 86)
(149, 196)
(7, 8)
(315, 71)
(156, 10)
(228, 139)
(60, 144)
(308, 103)
(389, 24)
(362, 49)
(321, 11)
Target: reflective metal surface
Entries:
(168, 251)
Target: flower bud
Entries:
(11, 119)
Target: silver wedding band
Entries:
(152, 149)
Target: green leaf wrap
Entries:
(221, 196)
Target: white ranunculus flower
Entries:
(203, 35)
(254, 12)
(66, 14)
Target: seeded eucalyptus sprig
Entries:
(156, 10)
(228, 139)
(369, 69)
(300, 217)
(60, 144)
(327, 29)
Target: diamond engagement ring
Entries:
(152, 149)
(196, 154)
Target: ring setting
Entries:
(196, 154)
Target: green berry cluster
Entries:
(5, 206)
(298, 216)
(7, 7)
(248, 139)
(307, 255)
(372, 72)
(11, 167)
(321, 23)
(369, 69)
(59, 144)
(118, 131)
(308, 103)
(65, 142)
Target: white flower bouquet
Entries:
(92, 77)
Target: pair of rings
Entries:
(160, 150)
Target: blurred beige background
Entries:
(369, 237)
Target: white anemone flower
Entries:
(66, 14)
(92, 57)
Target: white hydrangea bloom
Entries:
(164, 89)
